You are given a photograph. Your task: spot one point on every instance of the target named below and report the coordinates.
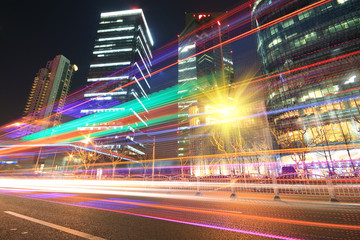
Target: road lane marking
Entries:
(58, 227)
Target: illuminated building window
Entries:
(210, 120)
(194, 121)
(288, 23)
(275, 42)
(355, 103)
(193, 110)
(273, 30)
(305, 15)
(209, 108)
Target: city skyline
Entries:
(218, 122)
(69, 29)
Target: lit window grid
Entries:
(127, 13)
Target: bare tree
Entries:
(183, 162)
(115, 159)
(230, 144)
(87, 158)
(304, 139)
(293, 140)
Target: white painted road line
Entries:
(58, 227)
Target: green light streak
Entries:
(156, 100)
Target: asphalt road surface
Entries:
(30, 214)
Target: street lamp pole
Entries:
(37, 161)
(221, 55)
(153, 159)
(52, 166)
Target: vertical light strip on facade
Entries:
(137, 65)
(143, 47)
(142, 59)
(146, 43)
(142, 90)
(137, 98)
(137, 115)
(142, 33)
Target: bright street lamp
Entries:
(87, 140)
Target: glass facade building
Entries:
(122, 54)
(199, 70)
(120, 70)
(310, 53)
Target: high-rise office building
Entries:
(48, 93)
(310, 52)
(120, 69)
(204, 64)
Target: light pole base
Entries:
(198, 194)
(333, 200)
(233, 196)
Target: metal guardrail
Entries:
(346, 185)
(333, 187)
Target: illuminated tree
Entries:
(87, 157)
(145, 162)
(183, 162)
(115, 160)
(292, 140)
(230, 143)
(299, 141)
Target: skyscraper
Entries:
(310, 52)
(122, 54)
(48, 93)
(204, 65)
(120, 68)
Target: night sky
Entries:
(34, 32)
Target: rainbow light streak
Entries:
(242, 7)
(61, 136)
(245, 5)
(122, 205)
(157, 100)
(119, 205)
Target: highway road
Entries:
(27, 213)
